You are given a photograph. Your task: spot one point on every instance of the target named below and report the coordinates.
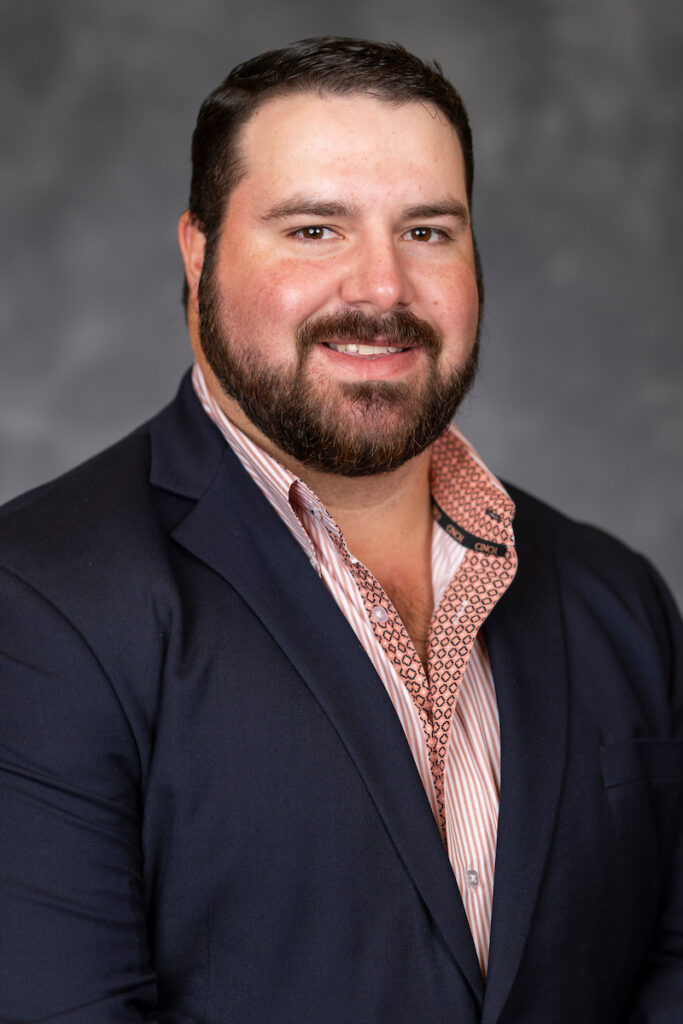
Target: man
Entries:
(287, 674)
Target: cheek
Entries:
(455, 302)
(279, 295)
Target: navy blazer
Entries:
(209, 811)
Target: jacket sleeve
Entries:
(659, 994)
(73, 943)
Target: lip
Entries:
(366, 368)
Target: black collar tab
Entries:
(463, 536)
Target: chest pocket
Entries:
(630, 761)
(643, 782)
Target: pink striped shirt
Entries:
(449, 714)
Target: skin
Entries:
(326, 219)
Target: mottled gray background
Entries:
(575, 109)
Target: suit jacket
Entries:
(208, 809)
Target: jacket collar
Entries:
(186, 448)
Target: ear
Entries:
(192, 241)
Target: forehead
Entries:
(359, 142)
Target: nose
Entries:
(375, 280)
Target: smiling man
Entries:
(306, 717)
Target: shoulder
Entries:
(91, 582)
(70, 597)
(585, 556)
(575, 544)
(91, 548)
(110, 514)
(70, 517)
(606, 589)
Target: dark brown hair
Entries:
(324, 65)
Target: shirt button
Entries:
(471, 878)
(314, 512)
(313, 563)
(379, 613)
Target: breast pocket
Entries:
(648, 761)
(643, 782)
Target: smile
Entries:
(373, 351)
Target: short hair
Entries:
(324, 66)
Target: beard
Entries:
(348, 428)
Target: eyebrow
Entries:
(307, 206)
(445, 208)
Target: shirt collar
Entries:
(469, 501)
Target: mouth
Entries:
(375, 357)
(376, 350)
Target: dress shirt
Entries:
(449, 713)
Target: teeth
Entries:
(365, 350)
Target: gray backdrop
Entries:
(574, 105)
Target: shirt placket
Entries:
(469, 598)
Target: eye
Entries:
(313, 233)
(432, 235)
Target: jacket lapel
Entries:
(526, 645)
(233, 529)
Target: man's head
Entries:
(330, 206)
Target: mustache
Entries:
(402, 329)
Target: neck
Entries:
(374, 508)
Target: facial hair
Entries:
(347, 428)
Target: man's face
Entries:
(339, 306)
